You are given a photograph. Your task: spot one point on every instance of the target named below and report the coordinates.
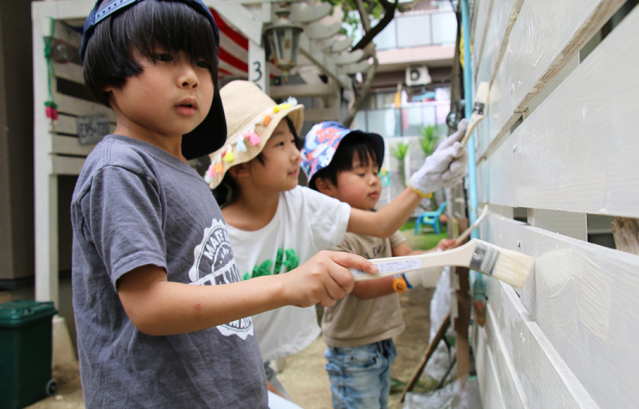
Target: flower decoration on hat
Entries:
(239, 142)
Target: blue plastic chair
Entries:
(430, 219)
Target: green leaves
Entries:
(430, 135)
(400, 150)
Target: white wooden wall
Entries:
(569, 339)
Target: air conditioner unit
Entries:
(417, 75)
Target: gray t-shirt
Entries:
(135, 205)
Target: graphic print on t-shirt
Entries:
(214, 265)
(286, 258)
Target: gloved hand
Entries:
(445, 167)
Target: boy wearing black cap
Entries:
(162, 316)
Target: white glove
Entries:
(445, 167)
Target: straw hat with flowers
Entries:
(251, 118)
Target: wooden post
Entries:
(626, 234)
(429, 352)
(462, 320)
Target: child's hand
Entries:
(323, 279)
(445, 244)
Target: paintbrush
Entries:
(506, 265)
(472, 227)
(481, 99)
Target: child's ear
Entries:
(239, 170)
(324, 186)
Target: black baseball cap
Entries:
(210, 135)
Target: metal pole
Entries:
(468, 97)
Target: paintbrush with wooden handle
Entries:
(506, 265)
(479, 108)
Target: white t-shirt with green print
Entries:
(305, 223)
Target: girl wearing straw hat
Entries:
(275, 225)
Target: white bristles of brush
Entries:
(479, 110)
(508, 266)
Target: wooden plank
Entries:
(565, 223)
(62, 32)
(545, 378)
(512, 390)
(484, 10)
(583, 298)
(61, 9)
(69, 71)
(320, 31)
(321, 114)
(67, 124)
(81, 107)
(540, 45)
(502, 19)
(68, 145)
(577, 151)
(66, 165)
(489, 384)
(305, 13)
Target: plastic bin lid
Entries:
(18, 312)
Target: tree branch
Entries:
(363, 15)
(388, 17)
(370, 74)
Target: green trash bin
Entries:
(25, 353)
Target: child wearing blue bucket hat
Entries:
(359, 328)
(162, 316)
(274, 224)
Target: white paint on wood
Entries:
(545, 378)
(512, 391)
(67, 124)
(545, 37)
(565, 223)
(69, 71)
(240, 18)
(257, 65)
(482, 15)
(81, 107)
(66, 165)
(489, 385)
(583, 297)
(501, 22)
(577, 151)
(45, 184)
(68, 145)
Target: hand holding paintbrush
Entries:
(506, 265)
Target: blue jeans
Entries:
(360, 376)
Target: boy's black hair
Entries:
(228, 190)
(143, 28)
(353, 143)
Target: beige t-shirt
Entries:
(353, 322)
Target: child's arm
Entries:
(365, 290)
(157, 306)
(444, 168)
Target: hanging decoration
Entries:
(51, 108)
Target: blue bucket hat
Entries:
(322, 141)
(210, 135)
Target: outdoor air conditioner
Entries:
(417, 75)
